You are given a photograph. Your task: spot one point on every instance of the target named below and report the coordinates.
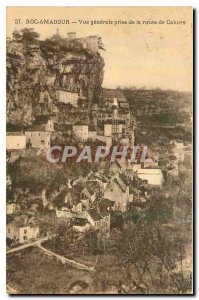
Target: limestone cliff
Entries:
(35, 72)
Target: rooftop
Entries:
(43, 119)
(80, 222)
(152, 171)
(111, 94)
(15, 133)
(40, 127)
(94, 214)
(79, 123)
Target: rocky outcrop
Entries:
(35, 72)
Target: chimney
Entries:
(71, 35)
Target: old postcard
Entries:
(99, 150)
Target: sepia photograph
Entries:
(99, 150)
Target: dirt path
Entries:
(65, 260)
(35, 243)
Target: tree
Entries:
(151, 249)
(50, 47)
(17, 36)
(27, 36)
(150, 255)
(100, 44)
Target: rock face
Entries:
(36, 72)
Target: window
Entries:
(9, 230)
(25, 238)
(39, 133)
(25, 231)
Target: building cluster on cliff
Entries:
(71, 104)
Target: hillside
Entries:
(37, 69)
(161, 111)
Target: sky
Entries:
(142, 55)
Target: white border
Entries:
(3, 4)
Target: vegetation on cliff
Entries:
(36, 68)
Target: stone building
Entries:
(12, 208)
(66, 96)
(153, 176)
(90, 43)
(15, 141)
(21, 230)
(81, 131)
(118, 192)
(38, 137)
